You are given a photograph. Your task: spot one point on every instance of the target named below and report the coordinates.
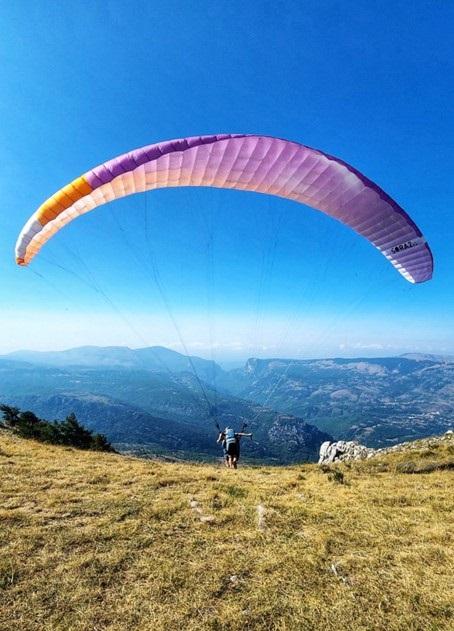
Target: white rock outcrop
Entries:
(351, 450)
(343, 450)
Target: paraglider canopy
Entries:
(247, 162)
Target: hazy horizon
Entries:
(238, 360)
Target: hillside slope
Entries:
(100, 541)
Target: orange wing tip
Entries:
(21, 261)
(62, 200)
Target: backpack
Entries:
(230, 437)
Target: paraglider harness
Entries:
(231, 444)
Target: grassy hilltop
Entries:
(94, 541)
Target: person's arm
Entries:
(220, 437)
(244, 434)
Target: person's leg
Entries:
(236, 456)
(231, 454)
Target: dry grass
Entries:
(95, 541)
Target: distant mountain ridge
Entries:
(429, 357)
(147, 357)
(377, 401)
(155, 358)
(144, 410)
(160, 358)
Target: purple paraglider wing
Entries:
(246, 162)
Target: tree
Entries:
(73, 433)
(28, 424)
(28, 417)
(10, 414)
(100, 443)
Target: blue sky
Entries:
(243, 274)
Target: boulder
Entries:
(343, 450)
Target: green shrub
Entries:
(336, 476)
